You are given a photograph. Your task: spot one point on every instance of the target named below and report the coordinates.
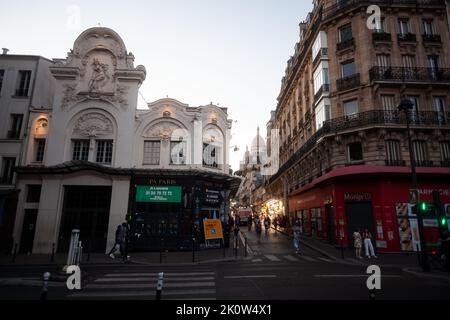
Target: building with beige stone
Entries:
(344, 155)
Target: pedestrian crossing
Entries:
(289, 258)
(177, 285)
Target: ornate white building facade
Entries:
(101, 152)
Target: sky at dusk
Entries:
(228, 52)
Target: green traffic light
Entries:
(423, 206)
(443, 221)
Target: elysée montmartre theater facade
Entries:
(101, 154)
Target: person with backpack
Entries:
(296, 234)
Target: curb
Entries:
(426, 275)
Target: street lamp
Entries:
(406, 105)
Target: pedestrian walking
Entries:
(296, 234)
(236, 235)
(267, 224)
(123, 237)
(258, 229)
(357, 242)
(249, 222)
(368, 246)
(237, 220)
(117, 242)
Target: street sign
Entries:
(413, 196)
(168, 194)
(213, 229)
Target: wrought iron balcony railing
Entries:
(424, 163)
(381, 36)
(324, 89)
(342, 5)
(434, 38)
(348, 83)
(409, 74)
(406, 37)
(323, 52)
(364, 119)
(345, 44)
(395, 163)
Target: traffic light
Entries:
(425, 208)
(443, 222)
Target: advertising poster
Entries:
(404, 227)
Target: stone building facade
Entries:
(164, 169)
(341, 135)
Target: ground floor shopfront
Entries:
(161, 206)
(366, 197)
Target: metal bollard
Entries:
(342, 249)
(193, 250)
(161, 251)
(14, 253)
(159, 285)
(46, 277)
(235, 247)
(245, 246)
(372, 294)
(52, 258)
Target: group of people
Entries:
(366, 238)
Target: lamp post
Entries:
(406, 105)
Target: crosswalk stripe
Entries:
(149, 279)
(307, 258)
(291, 258)
(149, 294)
(325, 259)
(257, 260)
(144, 274)
(149, 285)
(271, 257)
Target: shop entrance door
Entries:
(85, 208)
(28, 230)
(359, 216)
(329, 209)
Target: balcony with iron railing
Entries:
(406, 37)
(374, 118)
(322, 54)
(424, 163)
(348, 83)
(341, 6)
(324, 89)
(432, 38)
(381, 36)
(378, 73)
(395, 163)
(345, 44)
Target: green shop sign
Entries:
(158, 194)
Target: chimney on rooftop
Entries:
(5, 51)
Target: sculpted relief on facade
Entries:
(93, 125)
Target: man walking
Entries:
(296, 234)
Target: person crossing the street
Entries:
(296, 235)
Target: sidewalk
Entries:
(137, 258)
(408, 262)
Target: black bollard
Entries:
(52, 258)
(245, 246)
(223, 244)
(193, 250)
(14, 253)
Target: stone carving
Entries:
(70, 95)
(162, 130)
(120, 98)
(99, 76)
(93, 125)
